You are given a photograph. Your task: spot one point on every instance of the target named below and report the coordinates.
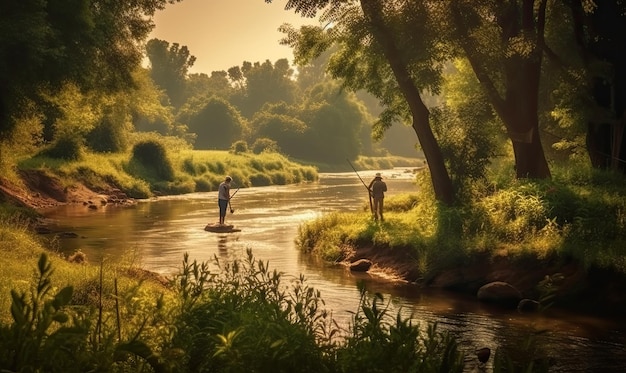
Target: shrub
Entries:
(108, 137)
(245, 317)
(381, 343)
(260, 180)
(203, 185)
(264, 144)
(152, 155)
(239, 147)
(280, 178)
(70, 148)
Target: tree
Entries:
(504, 42)
(92, 43)
(285, 130)
(467, 127)
(262, 83)
(149, 106)
(216, 123)
(335, 119)
(380, 55)
(169, 66)
(600, 35)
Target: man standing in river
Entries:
(377, 190)
(223, 196)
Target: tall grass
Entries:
(181, 171)
(580, 216)
(236, 316)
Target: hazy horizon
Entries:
(224, 33)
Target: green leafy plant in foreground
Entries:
(241, 317)
(49, 334)
(244, 318)
(38, 339)
(380, 343)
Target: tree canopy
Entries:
(397, 50)
(93, 43)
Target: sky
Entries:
(224, 33)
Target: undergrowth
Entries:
(237, 316)
(578, 218)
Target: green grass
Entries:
(581, 218)
(370, 163)
(194, 171)
(219, 317)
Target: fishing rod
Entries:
(369, 192)
(229, 205)
(234, 193)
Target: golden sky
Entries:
(224, 33)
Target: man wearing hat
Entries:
(223, 196)
(377, 190)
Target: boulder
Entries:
(499, 292)
(528, 306)
(361, 265)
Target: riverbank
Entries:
(596, 291)
(557, 243)
(36, 189)
(588, 289)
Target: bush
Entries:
(260, 180)
(244, 317)
(70, 148)
(239, 147)
(108, 137)
(203, 185)
(265, 145)
(152, 155)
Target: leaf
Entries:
(63, 297)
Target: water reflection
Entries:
(160, 231)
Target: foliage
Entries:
(239, 147)
(49, 43)
(153, 157)
(264, 83)
(265, 144)
(169, 66)
(49, 332)
(31, 343)
(216, 123)
(110, 135)
(148, 109)
(466, 129)
(286, 131)
(238, 315)
(380, 343)
(335, 120)
(244, 316)
(68, 147)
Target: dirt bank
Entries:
(36, 189)
(597, 291)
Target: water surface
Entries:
(159, 231)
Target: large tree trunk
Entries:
(442, 184)
(518, 112)
(530, 161)
(518, 104)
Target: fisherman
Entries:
(223, 197)
(377, 190)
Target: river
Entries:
(157, 232)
